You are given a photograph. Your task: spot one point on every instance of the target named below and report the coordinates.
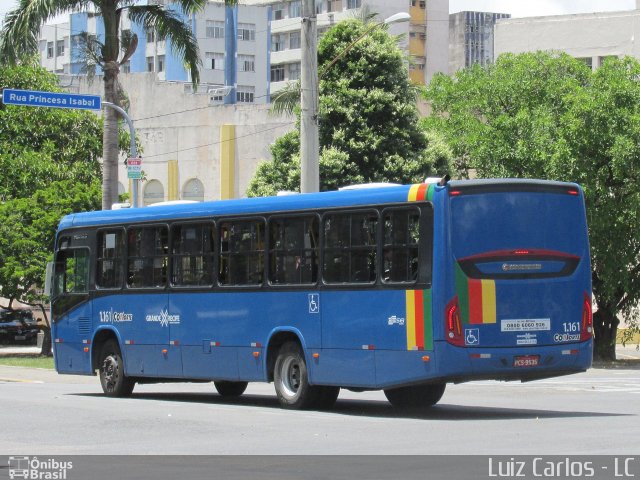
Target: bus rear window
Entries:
(489, 222)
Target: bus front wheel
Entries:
(112, 378)
(291, 379)
(230, 389)
(415, 396)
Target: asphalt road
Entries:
(597, 412)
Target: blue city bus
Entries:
(400, 288)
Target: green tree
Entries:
(27, 232)
(19, 38)
(368, 118)
(48, 168)
(546, 115)
(41, 145)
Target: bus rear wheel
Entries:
(112, 378)
(415, 396)
(291, 379)
(230, 389)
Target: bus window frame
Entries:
(268, 252)
(80, 297)
(214, 256)
(425, 245)
(124, 260)
(143, 225)
(349, 211)
(218, 252)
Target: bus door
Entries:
(521, 271)
(150, 351)
(70, 306)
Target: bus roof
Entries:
(369, 196)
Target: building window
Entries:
(334, 5)
(295, 9)
(294, 40)
(215, 29)
(247, 32)
(150, 64)
(49, 49)
(245, 94)
(151, 36)
(277, 42)
(160, 63)
(193, 189)
(423, 4)
(214, 61)
(294, 71)
(278, 11)
(351, 4)
(126, 67)
(59, 48)
(246, 63)
(153, 192)
(277, 73)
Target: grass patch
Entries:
(31, 361)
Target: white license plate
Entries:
(20, 337)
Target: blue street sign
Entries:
(32, 98)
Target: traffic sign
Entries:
(32, 98)
(134, 168)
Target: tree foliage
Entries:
(547, 115)
(41, 145)
(368, 118)
(48, 168)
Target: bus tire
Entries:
(291, 379)
(111, 370)
(415, 396)
(230, 389)
(327, 397)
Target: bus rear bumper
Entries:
(459, 364)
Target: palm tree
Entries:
(19, 38)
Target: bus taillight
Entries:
(586, 332)
(453, 326)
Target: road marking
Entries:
(19, 380)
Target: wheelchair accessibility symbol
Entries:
(314, 303)
(472, 336)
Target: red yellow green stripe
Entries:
(420, 192)
(477, 299)
(419, 322)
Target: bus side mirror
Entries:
(48, 279)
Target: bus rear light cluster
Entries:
(453, 326)
(586, 330)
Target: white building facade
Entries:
(590, 37)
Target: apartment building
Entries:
(471, 38)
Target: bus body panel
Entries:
(368, 336)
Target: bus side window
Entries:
(350, 247)
(147, 257)
(71, 279)
(401, 245)
(110, 258)
(192, 254)
(293, 254)
(241, 253)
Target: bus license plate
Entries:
(526, 361)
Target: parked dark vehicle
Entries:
(18, 326)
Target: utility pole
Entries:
(309, 142)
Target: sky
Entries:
(517, 8)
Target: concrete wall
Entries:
(437, 38)
(590, 36)
(173, 125)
